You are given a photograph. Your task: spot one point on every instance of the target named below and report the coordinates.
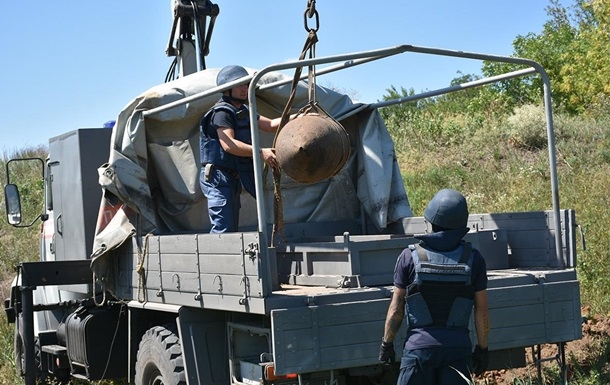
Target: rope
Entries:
(142, 252)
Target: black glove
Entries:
(386, 352)
(480, 360)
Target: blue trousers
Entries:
(435, 366)
(222, 192)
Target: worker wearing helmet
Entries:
(437, 282)
(226, 151)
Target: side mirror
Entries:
(13, 204)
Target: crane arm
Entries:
(191, 34)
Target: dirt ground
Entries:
(581, 355)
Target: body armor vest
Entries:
(442, 294)
(210, 148)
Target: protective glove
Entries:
(480, 360)
(386, 352)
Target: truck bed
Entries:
(346, 281)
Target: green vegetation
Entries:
(17, 244)
(503, 166)
(573, 48)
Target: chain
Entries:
(310, 12)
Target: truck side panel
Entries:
(197, 270)
(327, 322)
(329, 337)
(531, 237)
(528, 315)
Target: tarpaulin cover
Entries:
(151, 180)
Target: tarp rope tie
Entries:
(142, 252)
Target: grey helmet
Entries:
(229, 74)
(447, 209)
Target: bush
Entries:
(527, 128)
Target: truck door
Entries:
(74, 159)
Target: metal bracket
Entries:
(219, 283)
(244, 300)
(252, 251)
(199, 294)
(160, 292)
(540, 278)
(349, 280)
(176, 280)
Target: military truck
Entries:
(131, 284)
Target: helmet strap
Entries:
(242, 101)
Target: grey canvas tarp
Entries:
(151, 180)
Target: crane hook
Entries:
(310, 12)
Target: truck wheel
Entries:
(19, 353)
(59, 376)
(159, 360)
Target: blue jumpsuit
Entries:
(222, 187)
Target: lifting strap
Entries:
(309, 47)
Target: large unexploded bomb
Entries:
(312, 147)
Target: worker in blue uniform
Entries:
(226, 151)
(437, 282)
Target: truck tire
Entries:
(19, 353)
(59, 376)
(159, 360)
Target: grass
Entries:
(503, 166)
(499, 163)
(16, 245)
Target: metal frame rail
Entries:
(46, 273)
(358, 58)
(560, 358)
